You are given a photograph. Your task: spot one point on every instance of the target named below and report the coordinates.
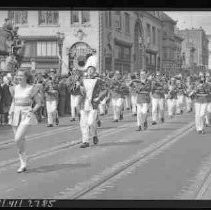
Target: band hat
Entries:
(91, 61)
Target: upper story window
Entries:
(108, 20)
(80, 17)
(148, 28)
(153, 35)
(127, 23)
(18, 17)
(85, 16)
(118, 21)
(47, 48)
(74, 17)
(48, 17)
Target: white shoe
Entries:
(21, 169)
(23, 163)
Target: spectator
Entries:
(6, 100)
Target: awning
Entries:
(122, 42)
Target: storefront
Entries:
(43, 50)
(122, 56)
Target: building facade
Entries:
(152, 25)
(195, 48)
(209, 49)
(172, 45)
(127, 41)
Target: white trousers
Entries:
(134, 103)
(88, 124)
(200, 113)
(188, 102)
(208, 114)
(102, 106)
(51, 107)
(74, 101)
(127, 101)
(180, 103)
(117, 104)
(157, 108)
(142, 113)
(171, 104)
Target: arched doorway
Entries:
(78, 55)
(138, 49)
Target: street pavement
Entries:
(167, 161)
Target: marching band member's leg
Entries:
(188, 104)
(134, 104)
(121, 108)
(144, 115)
(208, 114)
(139, 117)
(73, 107)
(50, 116)
(127, 102)
(154, 110)
(202, 114)
(92, 122)
(170, 105)
(115, 109)
(84, 128)
(161, 109)
(180, 99)
(20, 133)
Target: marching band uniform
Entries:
(133, 96)
(118, 95)
(188, 99)
(75, 94)
(93, 91)
(143, 89)
(200, 93)
(181, 91)
(208, 113)
(51, 96)
(158, 96)
(171, 98)
(128, 96)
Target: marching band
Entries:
(92, 94)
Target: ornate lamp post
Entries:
(60, 39)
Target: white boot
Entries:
(22, 167)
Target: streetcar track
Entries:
(58, 148)
(10, 142)
(98, 180)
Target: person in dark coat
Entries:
(62, 96)
(6, 100)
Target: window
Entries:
(118, 21)
(85, 15)
(47, 48)
(126, 53)
(118, 51)
(108, 19)
(153, 36)
(127, 23)
(18, 17)
(74, 17)
(148, 30)
(48, 17)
